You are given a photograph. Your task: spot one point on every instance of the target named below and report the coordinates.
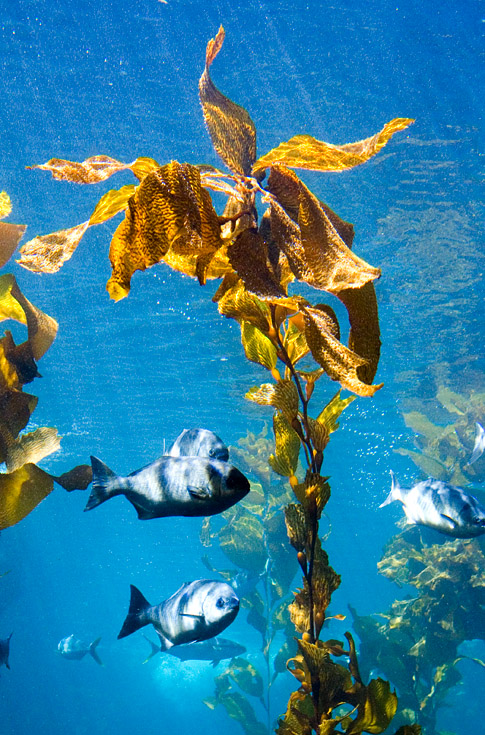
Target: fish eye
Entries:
(220, 602)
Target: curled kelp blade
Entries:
(230, 127)
(170, 210)
(111, 203)
(304, 151)
(248, 255)
(41, 328)
(16, 409)
(364, 336)
(287, 446)
(48, 253)
(21, 491)
(314, 249)
(339, 362)
(93, 170)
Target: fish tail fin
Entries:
(136, 617)
(92, 651)
(479, 444)
(395, 493)
(103, 485)
(154, 649)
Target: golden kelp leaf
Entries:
(318, 434)
(91, 171)
(283, 395)
(20, 359)
(303, 151)
(379, 708)
(295, 343)
(287, 447)
(169, 210)
(41, 328)
(10, 236)
(317, 493)
(111, 203)
(15, 411)
(231, 129)
(143, 166)
(285, 185)
(257, 347)
(332, 411)
(47, 253)
(239, 709)
(32, 447)
(300, 609)
(249, 257)
(21, 491)
(187, 263)
(5, 204)
(338, 361)
(364, 337)
(239, 304)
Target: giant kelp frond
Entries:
(303, 151)
(231, 129)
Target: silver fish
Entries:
(5, 650)
(441, 506)
(199, 443)
(172, 486)
(479, 447)
(197, 611)
(74, 649)
(215, 651)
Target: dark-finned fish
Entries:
(197, 611)
(172, 486)
(199, 443)
(479, 447)
(215, 651)
(5, 650)
(74, 649)
(441, 506)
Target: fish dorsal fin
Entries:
(199, 493)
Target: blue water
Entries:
(120, 78)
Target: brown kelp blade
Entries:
(47, 253)
(249, 257)
(76, 479)
(21, 491)
(16, 408)
(91, 171)
(304, 151)
(170, 210)
(32, 447)
(230, 127)
(364, 337)
(10, 236)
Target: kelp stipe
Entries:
(169, 217)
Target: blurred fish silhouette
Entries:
(197, 611)
(199, 443)
(172, 486)
(441, 506)
(75, 650)
(5, 650)
(215, 651)
(479, 447)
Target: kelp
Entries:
(416, 641)
(169, 218)
(443, 450)
(24, 485)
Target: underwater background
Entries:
(122, 380)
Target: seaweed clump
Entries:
(169, 217)
(416, 642)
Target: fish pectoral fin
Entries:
(191, 615)
(449, 521)
(199, 493)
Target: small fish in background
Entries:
(198, 611)
(441, 506)
(199, 443)
(479, 447)
(74, 649)
(5, 650)
(172, 486)
(215, 651)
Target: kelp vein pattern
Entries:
(169, 217)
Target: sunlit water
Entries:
(120, 78)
